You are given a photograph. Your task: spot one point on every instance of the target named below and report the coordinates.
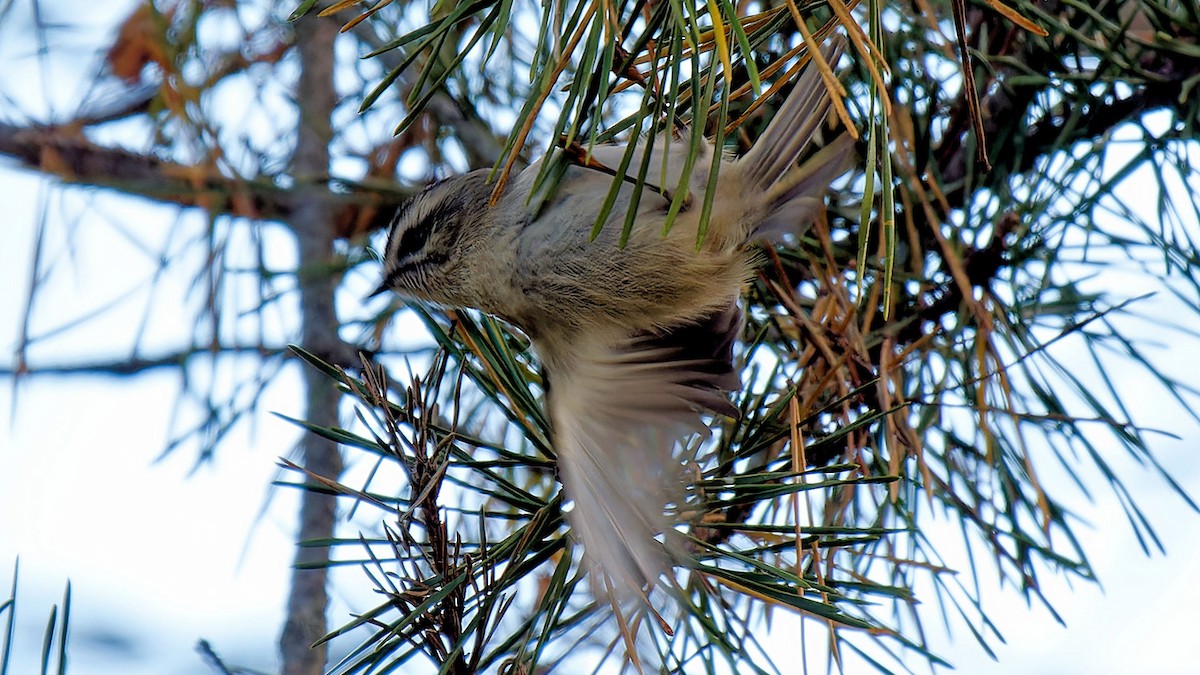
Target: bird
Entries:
(636, 337)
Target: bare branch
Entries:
(62, 151)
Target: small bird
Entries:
(636, 341)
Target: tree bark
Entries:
(312, 223)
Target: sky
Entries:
(161, 553)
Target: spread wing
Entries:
(618, 407)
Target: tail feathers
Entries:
(797, 199)
(776, 151)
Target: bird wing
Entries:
(618, 407)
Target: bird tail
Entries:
(791, 194)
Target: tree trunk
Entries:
(312, 224)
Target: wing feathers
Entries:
(618, 408)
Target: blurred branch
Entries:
(133, 100)
(480, 143)
(62, 151)
(482, 146)
(136, 365)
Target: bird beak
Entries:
(383, 288)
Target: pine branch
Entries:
(1159, 81)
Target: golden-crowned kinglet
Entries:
(636, 341)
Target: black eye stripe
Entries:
(414, 238)
(408, 235)
(428, 229)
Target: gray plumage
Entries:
(637, 343)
